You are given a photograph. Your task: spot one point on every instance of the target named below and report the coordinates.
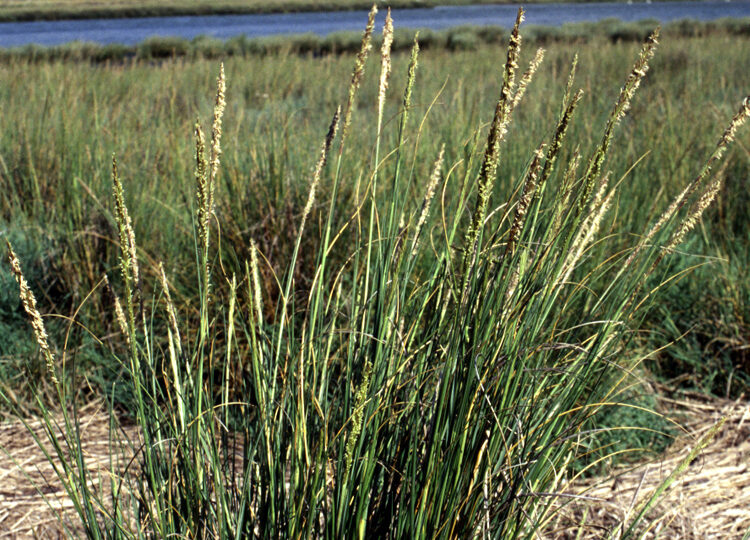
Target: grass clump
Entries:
(433, 375)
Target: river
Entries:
(131, 31)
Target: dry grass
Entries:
(709, 501)
(33, 502)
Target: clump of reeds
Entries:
(435, 384)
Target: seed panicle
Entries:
(129, 258)
(201, 180)
(206, 171)
(119, 312)
(429, 195)
(529, 188)
(358, 73)
(498, 129)
(317, 173)
(256, 301)
(620, 109)
(411, 72)
(528, 75)
(29, 305)
(385, 66)
(219, 106)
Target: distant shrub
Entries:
(207, 47)
(162, 47)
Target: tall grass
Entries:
(63, 120)
(432, 373)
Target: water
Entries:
(131, 31)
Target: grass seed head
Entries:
(317, 173)
(385, 67)
(737, 121)
(257, 298)
(358, 72)
(498, 129)
(559, 136)
(411, 72)
(622, 105)
(695, 213)
(207, 170)
(202, 189)
(429, 195)
(589, 228)
(119, 312)
(129, 258)
(527, 76)
(219, 106)
(679, 202)
(29, 305)
(571, 79)
(358, 415)
(529, 188)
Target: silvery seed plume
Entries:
(695, 213)
(411, 73)
(201, 181)
(622, 105)
(590, 226)
(219, 106)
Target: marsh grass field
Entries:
(394, 332)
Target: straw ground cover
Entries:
(707, 501)
(423, 350)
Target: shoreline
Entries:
(45, 10)
(458, 38)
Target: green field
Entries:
(346, 352)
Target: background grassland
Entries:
(14, 10)
(458, 38)
(61, 122)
